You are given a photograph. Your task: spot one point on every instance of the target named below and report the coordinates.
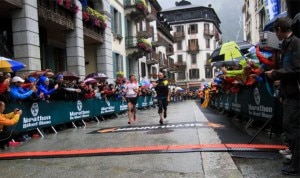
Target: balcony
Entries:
(153, 76)
(93, 25)
(150, 17)
(170, 50)
(180, 65)
(61, 15)
(153, 59)
(145, 32)
(217, 36)
(137, 47)
(208, 32)
(159, 42)
(179, 35)
(163, 63)
(172, 80)
(193, 48)
(136, 9)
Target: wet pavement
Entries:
(189, 164)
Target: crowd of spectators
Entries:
(47, 86)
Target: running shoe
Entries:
(165, 114)
(285, 152)
(161, 122)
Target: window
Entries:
(161, 62)
(116, 21)
(207, 41)
(206, 28)
(179, 45)
(181, 75)
(154, 70)
(193, 44)
(118, 62)
(194, 58)
(194, 73)
(208, 72)
(179, 28)
(193, 29)
(143, 69)
(179, 58)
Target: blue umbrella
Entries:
(9, 65)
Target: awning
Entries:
(269, 26)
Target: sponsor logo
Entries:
(36, 120)
(80, 113)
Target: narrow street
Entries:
(212, 128)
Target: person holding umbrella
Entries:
(162, 89)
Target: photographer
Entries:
(9, 119)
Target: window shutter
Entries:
(120, 24)
(127, 66)
(126, 26)
(121, 63)
(114, 63)
(112, 18)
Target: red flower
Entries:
(97, 22)
(85, 16)
(60, 2)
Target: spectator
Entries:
(17, 92)
(288, 74)
(9, 119)
(43, 87)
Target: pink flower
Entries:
(97, 22)
(60, 2)
(76, 9)
(68, 4)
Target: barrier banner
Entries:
(44, 114)
(255, 102)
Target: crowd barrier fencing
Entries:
(48, 114)
(253, 102)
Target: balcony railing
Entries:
(179, 35)
(194, 48)
(145, 32)
(180, 65)
(136, 9)
(210, 33)
(131, 42)
(153, 59)
(170, 51)
(59, 14)
(163, 63)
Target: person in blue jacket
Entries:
(43, 87)
(17, 92)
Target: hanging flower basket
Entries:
(94, 18)
(142, 6)
(144, 44)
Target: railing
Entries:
(193, 48)
(51, 11)
(131, 42)
(209, 32)
(170, 51)
(179, 34)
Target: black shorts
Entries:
(132, 100)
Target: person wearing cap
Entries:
(16, 90)
(43, 87)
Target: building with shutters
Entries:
(60, 35)
(197, 33)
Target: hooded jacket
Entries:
(43, 88)
(289, 73)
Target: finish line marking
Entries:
(158, 127)
(142, 150)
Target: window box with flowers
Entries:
(68, 4)
(142, 6)
(144, 45)
(93, 19)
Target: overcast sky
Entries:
(228, 11)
